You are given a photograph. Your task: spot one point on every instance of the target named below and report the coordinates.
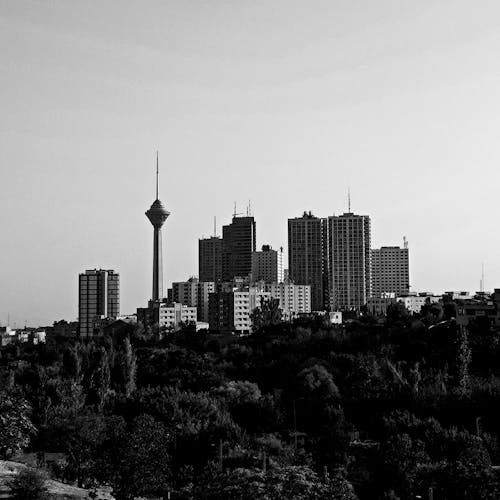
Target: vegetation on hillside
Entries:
(306, 410)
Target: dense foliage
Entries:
(296, 411)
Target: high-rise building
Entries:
(238, 244)
(390, 271)
(210, 259)
(98, 297)
(205, 288)
(307, 257)
(157, 215)
(265, 265)
(349, 260)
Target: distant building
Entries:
(294, 300)
(390, 271)
(307, 263)
(193, 293)
(163, 314)
(265, 265)
(481, 307)
(414, 302)
(172, 316)
(377, 306)
(64, 328)
(205, 288)
(230, 311)
(210, 259)
(98, 296)
(349, 261)
(461, 295)
(238, 244)
(32, 335)
(186, 292)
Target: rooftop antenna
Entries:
(349, 200)
(215, 226)
(234, 211)
(405, 242)
(157, 174)
(249, 207)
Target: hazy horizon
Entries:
(284, 103)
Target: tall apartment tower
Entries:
(210, 259)
(98, 296)
(349, 260)
(237, 247)
(390, 271)
(307, 256)
(265, 265)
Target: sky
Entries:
(281, 102)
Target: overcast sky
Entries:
(284, 103)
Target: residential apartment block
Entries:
(98, 297)
(265, 265)
(307, 263)
(390, 271)
(293, 299)
(349, 256)
(238, 244)
(210, 259)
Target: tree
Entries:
(295, 482)
(15, 424)
(100, 378)
(317, 382)
(72, 365)
(125, 369)
(268, 314)
(29, 484)
(80, 436)
(143, 465)
(463, 358)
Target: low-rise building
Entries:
(377, 306)
(172, 316)
(231, 310)
(293, 299)
(481, 307)
(414, 302)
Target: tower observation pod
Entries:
(157, 215)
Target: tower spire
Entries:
(349, 199)
(157, 174)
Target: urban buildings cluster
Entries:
(332, 270)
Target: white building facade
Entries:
(245, 302)
(293, 299)
(171, 316)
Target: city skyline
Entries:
(399, 102)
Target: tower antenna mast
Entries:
(157, 174)
(349, 200)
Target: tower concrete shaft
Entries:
(157, 215)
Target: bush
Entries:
(29, 484)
